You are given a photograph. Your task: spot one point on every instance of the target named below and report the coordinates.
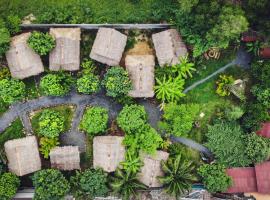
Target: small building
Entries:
(265, 130)
(263, 177)
(108, 152)
(141, 72)
(22, 61)
(23, 155)
(108, 46)
(66, 54)
(169, 47)
(151, 169)
(65, 158)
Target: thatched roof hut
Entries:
(65, 158)
(141, 72)
(108, 152)
(22, 61)
(169, 47)
(23, 156)
(66, 54)
(108, 46)
(152, 169)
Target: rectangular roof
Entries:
(263, 177)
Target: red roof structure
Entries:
(244, 180)
(265, 130)
(249, 36)
(265, 52)
(250, 179)
(263, 177)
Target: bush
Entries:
(9, 184)
(227, 142)
(95, 120)
(4, 38)
(4, 73)
(13, 23)
(257, 148)
(261, 71)
(131, 118)
(88, 67)
(223, 85)
(50, 184)
(56, 84)
(51, 124)
(169, 89)
(214, 177)
(233, 113)
(178, 119)
(262, 95)
(89, 184)
(88, 84)
(46, 144)
(178, 175)
(117, 82)
(12, 90)
(41, 43)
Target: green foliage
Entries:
(178, 175)
(9, 184)
(4, 38)
(184, 68)
(227, 142)
(4, 73)
(261, 71)
(131, 164)
(125, 184)
(51, 123)
(131, 118)
(58, 84)
(254, 47)
(88, 84)
(50, 184)
(46, 144)
(13, 23)
(12, 90)
(88, 67)
(223, 85)
(117, 82)
(169, 89)
(262, 95)
(95, 120)
(89, 184)
(214, 177)
(41, 43)
(257, 148)
(233, 113)
(178, 119)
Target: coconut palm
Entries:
(179, 175)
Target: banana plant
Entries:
(184, 68)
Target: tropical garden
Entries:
(214, 97)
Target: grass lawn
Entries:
(31, 88)
(66, 110)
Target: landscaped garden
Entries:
(131, 112)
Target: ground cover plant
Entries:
(12, 90)
(9, 184)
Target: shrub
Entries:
(46, 144)
(117, 82)
(257, 148)
(233, 113)
(227, 142)
(169, 89)
(184, 68)
(262, 95)
(95, 120)
(132, 164)
(223, 85)
(178, 175)
(178, 119)
(88, 84)
(51, 124)
(9, 184)
(125, 184)
(12, 90)
(4, 38)
(214, 177)
(261, 71)
(4, 73)
(88, 67)
(131, 118)
(89, 184)
(13, 23)
(56, 84)
(50, 184)
(41, 43)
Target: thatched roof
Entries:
(108, 46)
(169, 47)
(108, 152)
(152, 169)
(66, 54)
(141, 72)
(65, 158)
(22, 61)
(23, 156)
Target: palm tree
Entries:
(184, 68)
(179, 175)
